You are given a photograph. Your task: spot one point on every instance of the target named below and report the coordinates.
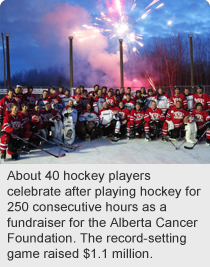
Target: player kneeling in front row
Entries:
(137, 121)
(109, 119)
(12, 127)
(154, 122)
(86, 127)
(202, 119)
(51, 119)
(124, 117)
(180, 121)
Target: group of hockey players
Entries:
(101, 113)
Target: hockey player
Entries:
(175, 119)
(18, 96)
(122, 92)
(61, 92)
(128, 102)
(84, 99)
(178, 97)
(128, 91)
(149, 99)
(65, 100)
(82, 88)
(12, 125)
(154, 121)
(110, 121)
(78, 93)
(202, 98)
(70, 110)
(30, 98)
(111, 100)
(137, 120)
(50, 117)
(93, 93)
(202, 119)
(124, 117)
(51, 89)
(6, 103)
(98, 101)
(143, 92)
(26, 123)
(44, 100)
(56, 102)
(162, 100)
(189, 97)
(104, 92)
(140, 98)
(118, 95)
(88, 121)
(36, 125)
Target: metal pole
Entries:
(121, 63)
(71, 60)
(8, 61)
(4, 60)
(191, 60)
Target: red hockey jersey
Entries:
(201, 118)
(137, 116)
(181, 98)
(5, 106)
(31, 99)
(129, 104)
(11, 122)
(204, 99)
(154, 115)
(177, 116)
(51, 114)
(25, 118)
(111, 101)
(123, 114)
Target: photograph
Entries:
(104, 82)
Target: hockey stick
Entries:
(67, 146)
(58, 156)
(188, 147)
(52, 143)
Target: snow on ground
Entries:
(136, 151)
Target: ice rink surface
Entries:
(136, 151)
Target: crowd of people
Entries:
(102, 113)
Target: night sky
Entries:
(39, 30)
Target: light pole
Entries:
(4, 60)
(121, 63)
(71, 59)
(191, 60)
(8, 60)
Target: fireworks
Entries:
(208, 1)
(117, 24)
(150, 80)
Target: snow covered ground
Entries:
(137, 151)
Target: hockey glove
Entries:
(16, 130)
(208, 124)
(34, 129)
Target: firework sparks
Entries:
(160, 5)
(208, 1)
(170, 22)
(150, 80)
(118, 25)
